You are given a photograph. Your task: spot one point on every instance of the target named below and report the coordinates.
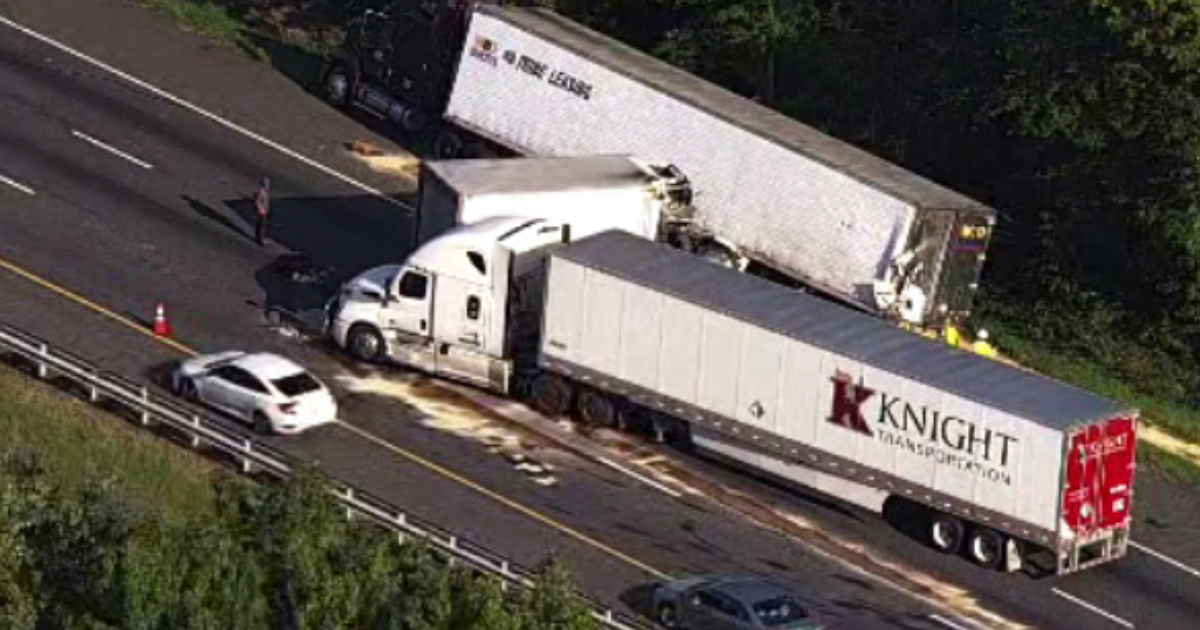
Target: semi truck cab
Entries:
(463, 306)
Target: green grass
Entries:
(209, 19)
(79, 442)
(1172, 416)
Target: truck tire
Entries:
(365, 343)
(337, 85)
(447, 145)
(551, 395)
(596, 409)
(945, 532)
(985, 547)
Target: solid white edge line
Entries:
(196, 109)
(111, 149)
(640, 477)
(1092, 607)
(1165, 558)
(18, 185)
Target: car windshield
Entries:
(780, 611)
(297, 384)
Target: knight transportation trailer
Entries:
(772, 196)
(1007, 467)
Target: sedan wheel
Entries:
(667, 616)
(187, 389)
(262, 425)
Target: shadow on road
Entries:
(640, 600)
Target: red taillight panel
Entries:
(288, 407)
(1100, 475)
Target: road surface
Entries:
(124, 197)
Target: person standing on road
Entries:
(262, 206)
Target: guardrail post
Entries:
(196, 436)
(247, 465)
(42, 369)
(145, 416)
(93, 392)
(349, 497)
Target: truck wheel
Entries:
(365, 343)
(596, 409)
(447, 145)
(714, 253)
(985, 547)
(945, 533)
(337, 85)
(551, 395)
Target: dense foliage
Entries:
(270, 557)
(1078, 119)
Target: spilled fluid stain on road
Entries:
(442, 411)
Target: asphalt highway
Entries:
(124, 199)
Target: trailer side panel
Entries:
(795, 378)
(782, 207)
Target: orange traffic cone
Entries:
(161, 327)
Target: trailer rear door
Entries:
(1099, 476)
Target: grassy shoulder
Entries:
(82, 443)
(1163, 411)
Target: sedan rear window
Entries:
(297, 384)
(780, 611)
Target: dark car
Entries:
(732, 603)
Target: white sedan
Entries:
(272, 393)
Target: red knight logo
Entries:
(847, 403)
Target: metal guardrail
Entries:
(252, 455)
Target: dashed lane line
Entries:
(104, 146)
(17, 185)
(1158, 555)
(196, 109)
(1093, 608)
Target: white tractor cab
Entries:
(464, 305)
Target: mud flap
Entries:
(1013, 561)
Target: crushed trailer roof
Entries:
(552, 174)
(840, 330)
(732, 108)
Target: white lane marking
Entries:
(955, 625)
(18, 185)
(200, 111)
(640, 477)
(1165, 558)
(1092, 607)
(110, 148)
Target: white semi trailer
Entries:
(590, 194)
(773, 196)
(1011, 468)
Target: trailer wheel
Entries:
(365, 343)
(551, 395)
(336, 86)
(596, 409)
(945, 533)
(985, 547)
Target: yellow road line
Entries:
(82, 301)
(413, 457)
(507, 502)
